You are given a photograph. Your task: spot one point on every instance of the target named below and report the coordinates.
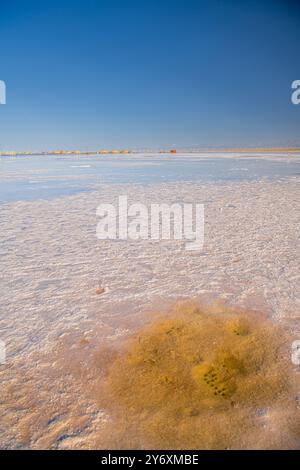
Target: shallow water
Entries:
(47, 177)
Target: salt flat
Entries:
(52, 263)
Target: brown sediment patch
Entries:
(195, 377)
(204, 379)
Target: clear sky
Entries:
(124, 73)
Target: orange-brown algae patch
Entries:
(199, 379)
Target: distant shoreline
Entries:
(252, 150)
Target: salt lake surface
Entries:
(45, 177)
(52, 263)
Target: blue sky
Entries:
(106, 73)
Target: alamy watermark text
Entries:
(156, 222)
(2, 92)
(296, 94)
